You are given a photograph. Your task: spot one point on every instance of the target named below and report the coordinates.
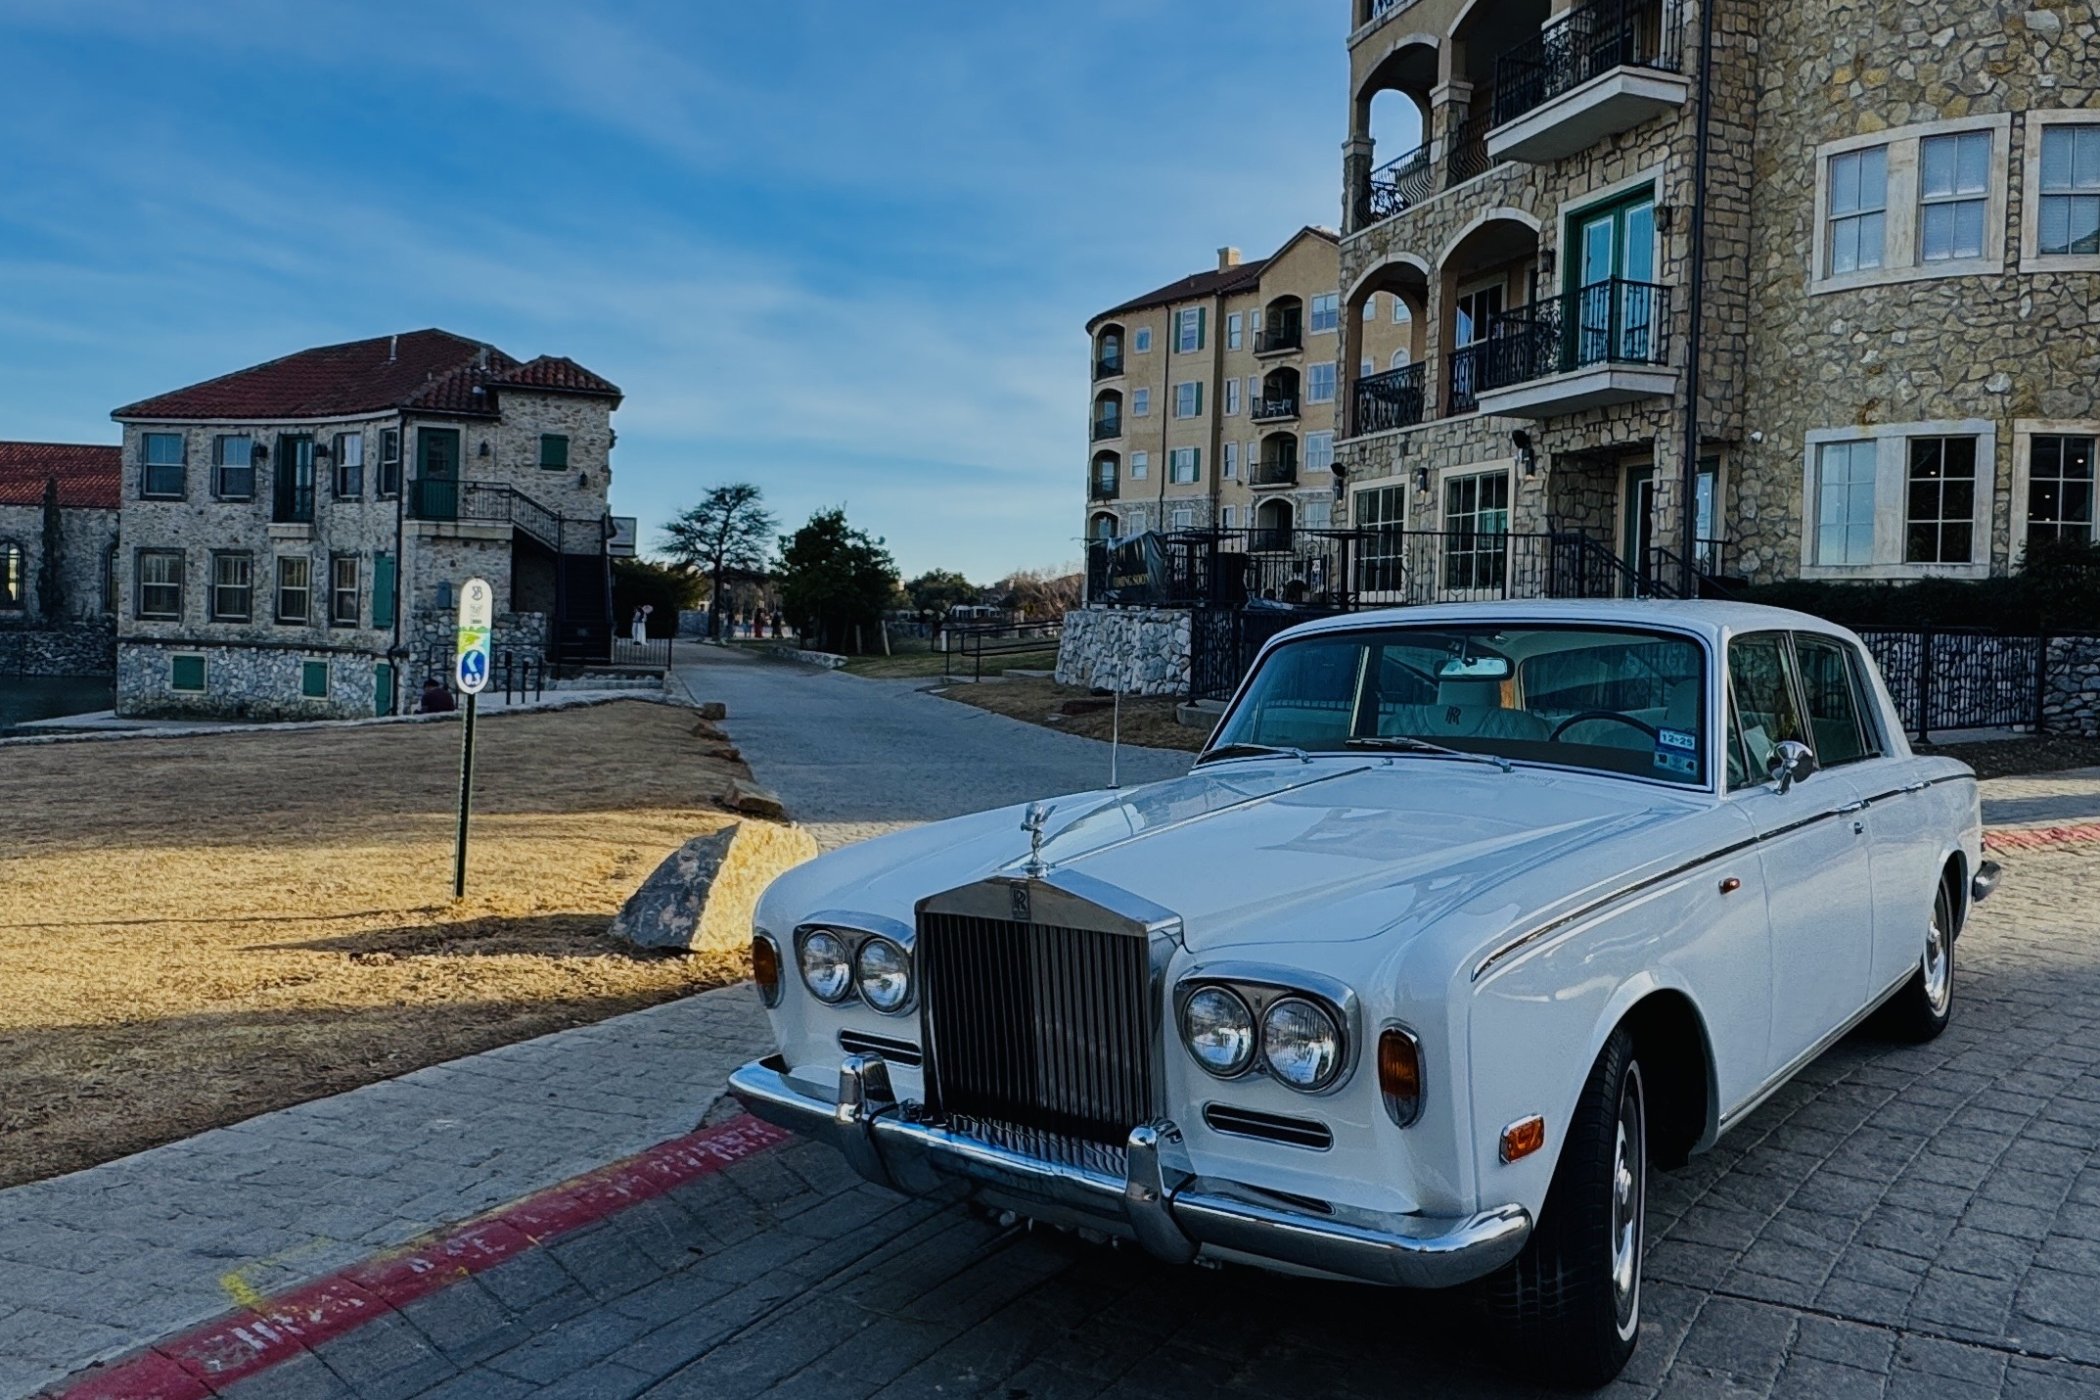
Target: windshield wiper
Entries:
(1244, 750)
(1408, 744)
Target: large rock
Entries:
(702, 897)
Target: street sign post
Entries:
(477, 616)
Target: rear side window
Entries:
(1829, 681)
(1760, 674)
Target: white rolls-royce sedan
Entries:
(1465, 918)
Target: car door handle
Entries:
(1850, 807)
(1916, 787)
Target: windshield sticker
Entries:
(1677, 739)
(1673, 762)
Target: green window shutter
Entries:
(313, 679)
(1199, 400)
(383, 689)
(1202, 317)
(1196, 453)
(382, 590)
(186, 673)
(554, 451)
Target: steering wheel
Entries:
(1574, 719)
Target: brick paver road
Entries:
(1901, 1221)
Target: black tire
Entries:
(1922, 1009)
(1571, 1294)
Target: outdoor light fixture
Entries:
(1545, 262)
(1526, 456)
(258, 453)
(1422, 479)
(1665, 216)
(484, 447)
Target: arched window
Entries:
(1399, 359)
(13, 587)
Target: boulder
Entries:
(713, 709)
(755, 801)
(702, 897)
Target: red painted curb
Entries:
(2019, 838)
(194, 1365)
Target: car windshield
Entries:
(1610, 699)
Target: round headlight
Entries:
(1219, 1030)
(883, 970)
(1301, 1044)
(826, 970)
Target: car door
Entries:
(1812, 847)
(1852, 737)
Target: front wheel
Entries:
(1575, 1291)
(1922, 1009)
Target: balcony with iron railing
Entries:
(1396, 187)
(1103, 484)
(1108, 425)
(292, 503)
(1607, 343)
(1604, 67)
(1394, 399)
(1275, 408)
(1108, 366)
(1277, 466)
(1281, 337)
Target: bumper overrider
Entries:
(1170, 1212)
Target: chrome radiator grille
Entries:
(1037, 1026)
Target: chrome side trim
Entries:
(1156, 1202)
(1793, 1067)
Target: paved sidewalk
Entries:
(2069, 798)
(99, 1261)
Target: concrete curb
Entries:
(199, 1363)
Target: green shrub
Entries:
(2056, 588)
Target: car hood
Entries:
(1250, 851)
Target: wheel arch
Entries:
(1671, 1042)
(1954, 879)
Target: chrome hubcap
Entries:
(1939, 967)
(1629, 1199)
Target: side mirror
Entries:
(1791, 761)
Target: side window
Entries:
(1833, 702)
(1758, 670)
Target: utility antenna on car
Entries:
(1115, 734)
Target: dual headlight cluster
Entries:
(838, 963)
(1297, 1039)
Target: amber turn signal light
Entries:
(1523, 1137)
(1400, 1074)
(765, 968)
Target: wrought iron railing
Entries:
(1396, 186)
(1108, 366)
(1101, 486)
(1108, 427)
(1466, 153)
(442, 498)
(1665, 576)
(1400, 566)
(1590, 40)
(1462, 379)
(1615, 321)
(1394, 399)
(293, 504)
(1276, 469)
(1276, 339)
(1272, 407)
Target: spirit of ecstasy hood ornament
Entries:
(1037, 815)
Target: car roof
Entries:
(1713, 620)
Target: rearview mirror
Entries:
(1474, 668)
(1791, 761)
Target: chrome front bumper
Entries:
(1173, 1214)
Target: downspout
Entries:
(1164, 467)
(1688, 531)
(400, 556)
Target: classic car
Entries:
(1464, 918)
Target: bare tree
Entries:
(727, 534)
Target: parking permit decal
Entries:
(1676, 739)
(1674, 762)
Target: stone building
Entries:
(1214, 397)
(295, 534)
(58, 502)
(1896, 354)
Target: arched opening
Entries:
(1104, 479)
(1391, 397)
(1101, 527)
(1481, 37)
(1108, 350)
(1108, 414)
(1278, 463)
(1489, 272)
(14, 588)
(1272, 525)
(1279, 395)
(1392, 112)
(1282, 327)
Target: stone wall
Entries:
(243, 682)
(85, 538)
(2071, 700)
(1137, 651)
(432, 637)
(84, 648)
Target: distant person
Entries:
(436, 700)
(640, 626)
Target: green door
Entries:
(1638, 500)
(437, 473)
(1611, 282)
(383, 688)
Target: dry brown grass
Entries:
(195, 930)
(1146, 720)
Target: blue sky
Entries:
(844, 250)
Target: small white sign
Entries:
(625, 528)
(477, 616)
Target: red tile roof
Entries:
(89, 476)
(561, 373)
(427, 369)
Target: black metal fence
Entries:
(966, 647)
(652, 654)
(1590, 40)
(1962, 678)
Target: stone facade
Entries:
(1134, 651)
(1991, 347)
(86, 538)
(2071, 700)
(84, 647)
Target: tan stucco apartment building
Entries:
(1214, 398)
(1897, 347)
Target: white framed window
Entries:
(1326, 312)
(1235, 332)
(1141, 340)
(1845, 473)
(1317, 515)
(1381, 511)
(1371, 307)
(1319, 451)
(1183, 518)
(233, 467)
(1401, 315)
(1319, 382)
(1229, 517)
(1954, 187)
(294, 589)
(349, 465)
(1231, 461)
(1184, 465)
(1188, 330)
(1188, 399)
(1940, 525)
(1366, 369)
(1140, 465)
(162, 457)
(1232, 396)
(2059, 491)
(1400, 359)
(1858, 217)
(1140, 403)
(2068, 208)
(232, 586)
(159, 585)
